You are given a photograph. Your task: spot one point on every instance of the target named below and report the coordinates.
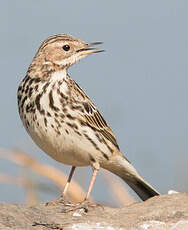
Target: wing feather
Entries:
(90, 116)
(95, 120)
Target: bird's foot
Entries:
(83, 206)
(69, 206)
(61, 200)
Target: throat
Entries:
(59, 75)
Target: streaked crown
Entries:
(64, 50)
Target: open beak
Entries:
(89, 49)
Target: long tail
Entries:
(120, 166)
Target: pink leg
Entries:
(62, 197)
(95, 171)
(68, 181)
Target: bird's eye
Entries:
(66, 47)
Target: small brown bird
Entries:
(63, 121)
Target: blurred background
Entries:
(140, 85)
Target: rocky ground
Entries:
(158, 213)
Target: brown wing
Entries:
(94, 119)
(90, 116)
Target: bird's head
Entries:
(64, 50)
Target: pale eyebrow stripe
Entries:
(55, 39)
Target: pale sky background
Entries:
(140, 84)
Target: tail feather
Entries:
(120, 166)
(143, 189)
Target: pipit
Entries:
(63, 121)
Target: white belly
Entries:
(68, 148)
(54, 135)
(63, 148)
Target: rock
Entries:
(158, 213)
